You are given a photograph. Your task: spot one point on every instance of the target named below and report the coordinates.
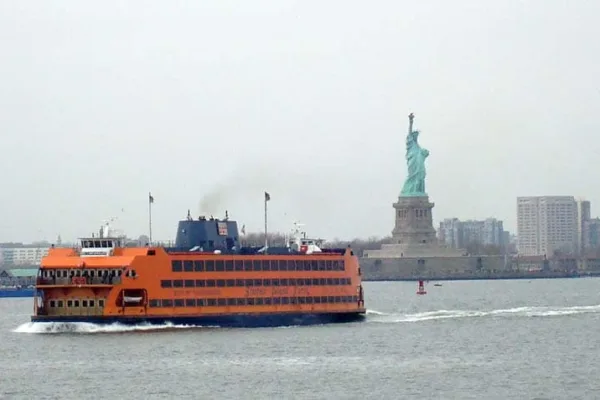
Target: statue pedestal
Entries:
(414, 222)
(413, 234)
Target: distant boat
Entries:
(16, 291)
(437, 284)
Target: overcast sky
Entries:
(209, 103)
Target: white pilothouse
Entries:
(299, 242)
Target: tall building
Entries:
(547, 224)
(583, 216)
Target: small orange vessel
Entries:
(207, 279)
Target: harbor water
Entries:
(507, 339)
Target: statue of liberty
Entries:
(414, 185)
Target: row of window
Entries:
(179, 283)
(76, 303)
(79, 272)
(257, 301)
(256, 265)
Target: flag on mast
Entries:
(150, 198)
(267, 196)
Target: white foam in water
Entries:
(508, 312)
(84, 327)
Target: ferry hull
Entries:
(224, 321)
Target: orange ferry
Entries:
(206, 279)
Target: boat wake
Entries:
(380, 317)
(89, 328)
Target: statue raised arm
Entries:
(414, 185)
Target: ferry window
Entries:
(241, 302)
(189, 283)
(210, 265)
(52, 303)
(228, 265)
(267, 282)
(230, 283)
(248, 265)
(293, 300)
(277, 300)
(84, 303)
(302, 300)
(199, 266)
(259, 301)
(321, 281)
(231, 302)
(154, 303)
(275, 282)
(101, 303)
(257, 265)
(151, 252)
(250, 302)
(342, 265)
(220, 282)
(69, 303)
(176, 266)
(92, 303)
(190, 302)
(322, 265)
(211, 302)
(307, 282)
(329, 265)
(211, 243)
(337, 299)
(316, 300)
(330, 299)
(219, 265)
(283, 282)
(257, 282)
(166, 284)
(76, 303)
(336, 281)
(60, 303)
(221, 302)
(329, 281)
(267, 301)
(291, 265)
(239, 265)
(249, 282)
(167, 303)
(314, 265)
(308, 266)
(283, 265)
(240, 282)
(201, 302)
(200, 283)
(292, 282)
(188, 266)
(210, 283)
(267, 265)
(178, 283)
(300, 282)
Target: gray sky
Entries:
(308, 100)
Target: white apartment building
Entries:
(546, 224)
(23, 255)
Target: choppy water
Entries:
(465, 340)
